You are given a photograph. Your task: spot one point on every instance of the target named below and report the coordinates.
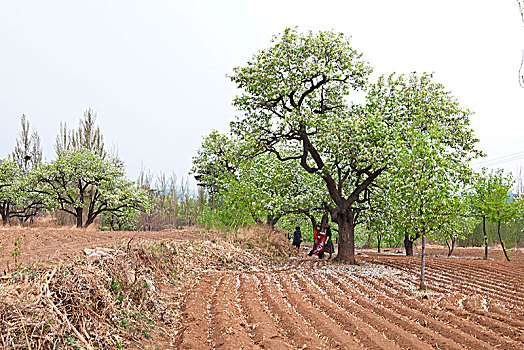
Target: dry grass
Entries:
(100, 303)
(116, 301)
(267, 241)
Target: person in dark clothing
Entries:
(297, 237)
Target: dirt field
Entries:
(308, 303)
(494, 253)
(64, 243)
(312, 304)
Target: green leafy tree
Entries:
(10, 192)
(216, 163)
(459, 227)
(124, 220)
(424, 192)
(491, 201)
(259, 184)
(424, 189)
(378, 224)
(272, 189)
(295, 95)
(83, 184)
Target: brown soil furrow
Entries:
(187, 291)
(510, 273)
(459, 319)
(292, 266)
(513, 335)
(228, 330)
(487, 281)
(266, 332)
(467, 283)
(449, 282)
(323, 299)
(438, 285)
(473, 305)
(405, 332)
(506, 269)
(418, 312)
(347, 300)
(510, 311)
(195, 320)
(301, 332)
(507, 318)
(329, 329)
(459, 270)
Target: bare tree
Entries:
(62, 141)
(87, 136)
(27, 153)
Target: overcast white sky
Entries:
(154, 70)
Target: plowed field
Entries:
(377, 305)
(313, 304)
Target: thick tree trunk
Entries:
(272, 221)
(502, 242)
(79, 218)
(408, 245)
(89, 221)
(324, 221)
(346, 237)
(379, 240)
(451, 246)
(313, 222)
(4, 211)
(485, 238)
(423, 261)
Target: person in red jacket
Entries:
(317, 239)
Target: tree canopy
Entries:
(82, 183)
(490, 200)
(260, 184)
(10, 194)
(297, 96)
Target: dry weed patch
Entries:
(268, 242)
(115, 300)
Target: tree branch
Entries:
(311, 89)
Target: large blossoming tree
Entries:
(296, 96)
(84, 185)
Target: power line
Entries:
(500, 160)
(488, 165)
(501, 157)
(509, 160)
